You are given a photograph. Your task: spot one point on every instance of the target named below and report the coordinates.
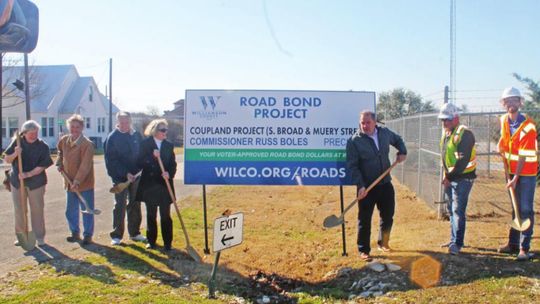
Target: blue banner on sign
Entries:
(266, 173)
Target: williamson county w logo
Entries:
(209, 105)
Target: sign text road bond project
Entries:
(270, 137)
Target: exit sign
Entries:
(228, 231)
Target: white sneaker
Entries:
(138, 238)
(115, 241)
(41, 242)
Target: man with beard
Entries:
(518, 148)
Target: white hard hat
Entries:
(511, 92)
(448, 111)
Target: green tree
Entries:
(533, 100)
(401, 102)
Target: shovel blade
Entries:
(524, 225)
(119, 187)
(27, 240)
(89, 211)
(332, 221)
(193, 254)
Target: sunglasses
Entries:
(163, 130)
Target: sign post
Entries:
(228, 232)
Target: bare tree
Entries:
(13, 73)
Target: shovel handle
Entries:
(173, 198)
(22, 192)
(79, 195)
(511, 190)
(373, 184)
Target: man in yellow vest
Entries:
(518, 147)
(458, 156)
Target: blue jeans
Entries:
(525, 188)
(458, 197)
(72, 212)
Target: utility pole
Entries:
(26, 87)
(110, 95)
(446, 94)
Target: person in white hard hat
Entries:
(458, 155)
(518, 147)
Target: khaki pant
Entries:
(36, 202)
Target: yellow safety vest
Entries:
(452, 155)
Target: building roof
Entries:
(73, 98)
(47, 83)
(50, 78)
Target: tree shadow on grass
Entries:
(61, 263)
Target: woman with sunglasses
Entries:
(152, 188)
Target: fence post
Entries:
(419, 188)
(489, 146)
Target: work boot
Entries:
(384, 248)
(510, 249)
(453, 249)
(365, 257)
(74, 238)
(87, 240)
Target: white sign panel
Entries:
(228, 231)
(270, 137)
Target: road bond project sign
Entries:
(247, 137)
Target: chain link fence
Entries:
(422, 172)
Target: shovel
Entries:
(516, 223)
(81, 198)
(190, 250)
(122, 186)
(27, 239)
(333, 220)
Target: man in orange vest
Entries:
(518, 148)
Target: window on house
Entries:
(47, 126)
(101, 125)
(88, 125)
(51, 126)
(4, 129)
(43, 126)
(13, 125)
(91, 94)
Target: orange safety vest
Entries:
(521, 144)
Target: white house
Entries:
(56, 92)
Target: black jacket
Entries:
(36, 154)
(364, 162)
(121, 152)
(152, 188)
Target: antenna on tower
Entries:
(452, 91)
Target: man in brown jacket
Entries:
(76, 160)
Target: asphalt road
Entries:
(13, 258)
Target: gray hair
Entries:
(123, 114)
(370, 113)
(154, 125)
(30, 125)
(75, 118)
